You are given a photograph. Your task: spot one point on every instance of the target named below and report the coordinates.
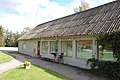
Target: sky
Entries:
(18, 14)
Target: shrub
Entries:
(106, 68)
(112, 39)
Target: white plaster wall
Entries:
(76, 62)
(44, 55)
(20, 46)
(27, 47)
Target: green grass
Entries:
(35, 73)
(4, 57)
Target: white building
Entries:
(74, 35)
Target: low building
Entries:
(74, 35)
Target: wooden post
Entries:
(74, 49)
(48, 47)
(95, 50)
(59, 47)
(40, 46)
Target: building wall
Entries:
(74, 61)
(28, 47)
(79, 62)
(82, 63)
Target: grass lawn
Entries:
(4, 57)
(35, 73)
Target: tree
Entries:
(84, 6)
(26, 29)
(16, 36)
(111, 39)
(1, 37)
(10, 38)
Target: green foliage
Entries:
(26, 29)
(84, 6)
(106, 68)
(94, 63)
(1, 37)
(111, 39)
(110, 69)
(11, 38)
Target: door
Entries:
(38, 52)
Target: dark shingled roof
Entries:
(98, 20)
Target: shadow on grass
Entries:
(21, 67)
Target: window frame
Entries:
(92, 46)
(47, 47)
(63, 48)
(51, 46)
(102, 57)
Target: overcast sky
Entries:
(17, 14)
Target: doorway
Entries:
(38, 52)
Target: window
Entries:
(44, 47)
(106, 53)
(67, 48)
(84, 49)
(54, 46)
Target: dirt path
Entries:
(9, 65)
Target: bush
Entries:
(111, 39)
(93, 63)
(106, 68)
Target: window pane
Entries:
(67, 48)
(106, 54)
(45, 47)
(54, 47)
(84, 49)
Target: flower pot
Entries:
(27, 66)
